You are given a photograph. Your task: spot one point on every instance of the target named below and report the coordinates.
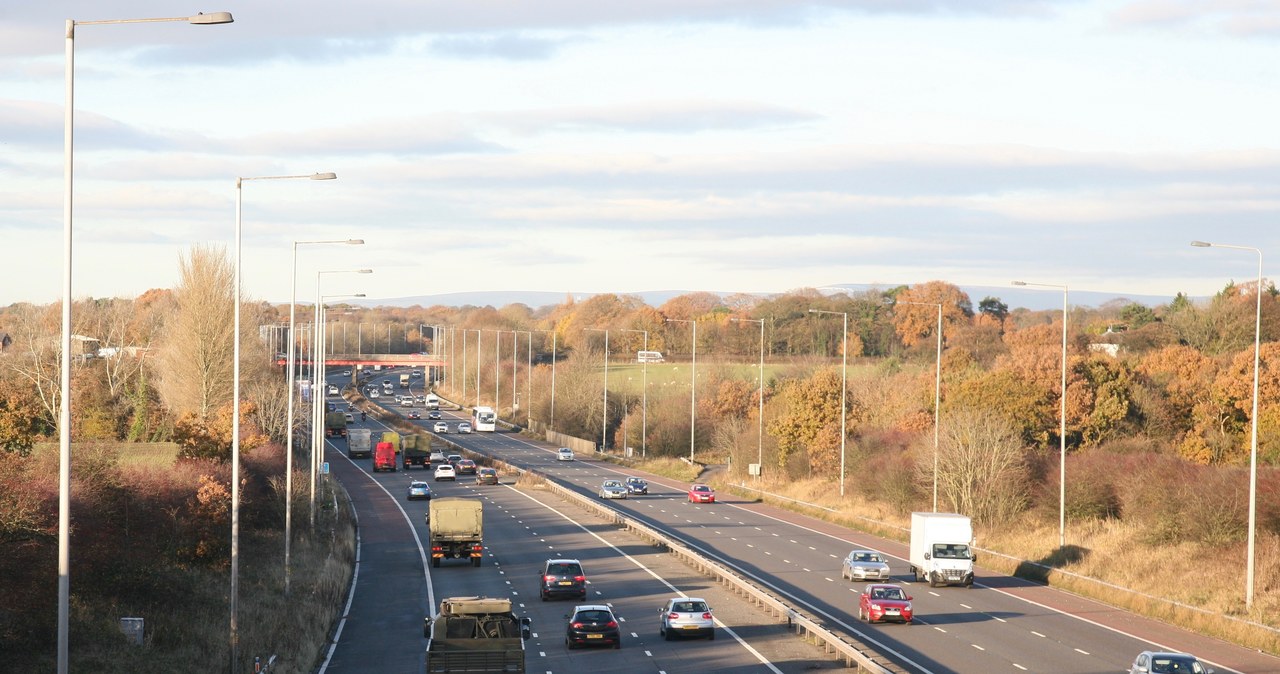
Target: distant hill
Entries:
(1015, 297)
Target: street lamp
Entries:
(1062, 424)
(318, 384)
(693, 383)
(292, 378)
(528, 381)
(604, 412)
(937, 393)
(760, 395)
(844, 379)
(644, 401)
(64, 399)
(1253, 432)
(235, 404)
(552, 423)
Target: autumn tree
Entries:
(982, 469)
(915, 322)
(809, 421)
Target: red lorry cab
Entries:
(384, 457)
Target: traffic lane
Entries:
(811, 574)
(1073, 621)
(623, 582)
(391, 588)
(1044, 656)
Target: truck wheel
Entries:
(475, 561)
(933, 580)
(435, 562)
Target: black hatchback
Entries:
(562, 578)
(592, 624)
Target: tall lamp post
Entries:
(760, 395)
(64, 398)
(528, 381)
(552, 423)
(319, 394)
(1062, 423)
(937, 393)
(235, 406)
(644, 400)
(693, 383)
(1253, 419)
(292, 378)
(604, 411)
(844, 382)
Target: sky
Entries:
(583, 146)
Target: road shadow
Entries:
(1038, 570)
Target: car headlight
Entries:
(875, 606)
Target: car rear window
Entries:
(564, 569)
(689, 607)
(594, 616)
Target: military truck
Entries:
(416, 450)
(359, 443)
(335, 423)
(475, 634)
(457, 529)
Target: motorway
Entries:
(1000, 625)
(395, 587)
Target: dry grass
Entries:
(157, 455)
(666, 467)
(188, 623)
(1104, 553)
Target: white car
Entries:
(440, 427)
(565, 454)
(464, 427)
(333, 390)
(445, 471)
(373, 394)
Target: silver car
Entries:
(686, 616)
(865, 565)
(613, 489)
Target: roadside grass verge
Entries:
(187, 609)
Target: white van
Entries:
(649, 357)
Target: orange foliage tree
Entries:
(915, 322)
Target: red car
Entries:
(701, 493)
(884, 602)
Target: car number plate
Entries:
(566, 582)
(595, 636)
(891, 610)
(691, 627)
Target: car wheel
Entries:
(569, 644)
(617, 644)
(711, 636)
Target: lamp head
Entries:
(210, 19)
(364, 271)
(1019, 283)
(355, 242)
(1201, 244)
(324, 176)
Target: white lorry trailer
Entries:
(941, 551)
